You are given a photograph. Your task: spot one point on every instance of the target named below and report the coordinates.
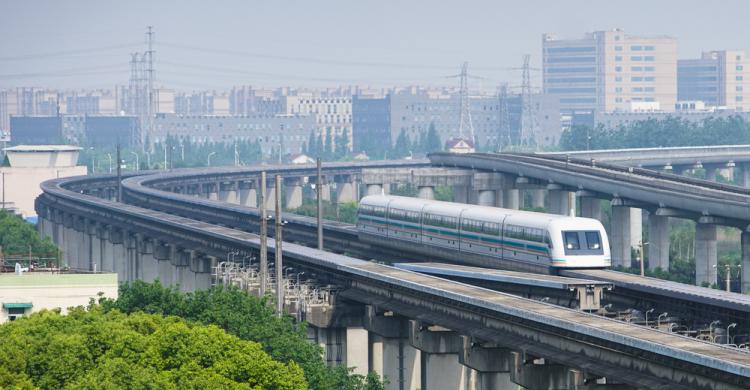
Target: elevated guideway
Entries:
(636, 356)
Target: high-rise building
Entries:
(717, 79)
(609, 71)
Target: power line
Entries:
(68, 52)
(325, 61)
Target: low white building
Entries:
(30, 165)
(21, 295)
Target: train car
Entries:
(484, 236)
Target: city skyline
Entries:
(204, 47)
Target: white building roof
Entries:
(42, 148)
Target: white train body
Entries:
(485, 236)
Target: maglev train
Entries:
(483, 236)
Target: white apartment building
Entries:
(717, 79)
(332, 114)
(608, 71)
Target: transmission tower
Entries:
(149, 56)
(504, 138)
(464, 124)
(528, 115)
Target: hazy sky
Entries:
(215, 44)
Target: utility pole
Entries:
(279, 255)
(119, 174)
(3, 190)
(319, 193)
(263, 235)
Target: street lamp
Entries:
(648, 311)
(658, 319)
(109, 156)
(137, 166)
(208, 164)
(732, 325)
(298, 275)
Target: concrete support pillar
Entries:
(745, 247)
(591, 208)
(391, 355)
(490, 364)
(346, 191)
(357, 350)
(636, 228)
(212, 191)
(745, 170)
(658, 242)
(705, 253)
(270, 196)
(164, 254)
(619, 236)
(560, 202)
(426, 192)
(229, 195)
(511, 199)
(374, 189)
(486, 198)
(149, 264)
(536, 374)
(537, 198)
(248, 195)
(461, 194)
(440, 348)
(293, 193)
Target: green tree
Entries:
(91, 349)
(402, 147)
(433, 142)
(17, 235)
(247, 317)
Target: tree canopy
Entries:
(247, 317)
(650, 133)
(16, 235)
(93, 349)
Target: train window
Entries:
(593, 240)
(571, 240)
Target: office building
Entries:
(717, 79)
(608, 71)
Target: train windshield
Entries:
(582, 242)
